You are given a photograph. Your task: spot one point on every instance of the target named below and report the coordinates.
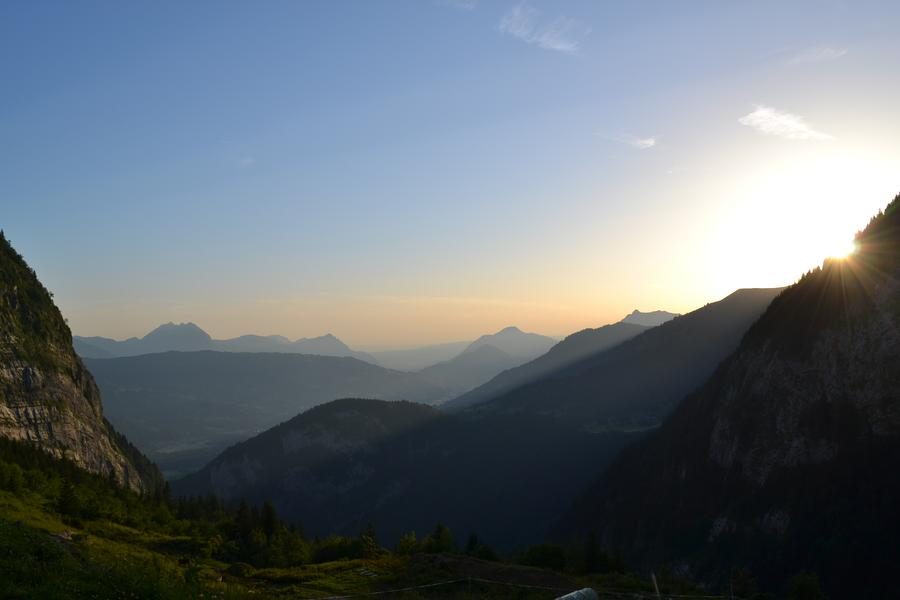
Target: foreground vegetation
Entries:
(65, 533)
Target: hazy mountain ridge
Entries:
(418, 358)
(47, 396)
(183, 408)
(188, 337)
(635, 384)
(470, 369)
(570, 350)
(785, 459)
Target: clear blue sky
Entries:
(401, 172)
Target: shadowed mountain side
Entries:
(572, 349)
(634, 385)
(469, 369)
(183, 408)
(786, 459)
(188, 337)
(404, 467)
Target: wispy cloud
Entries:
(561, 34)
(246, 161)
(642, 143)
(771, 121)
(460, 4)
(816, 55)
(636, 142)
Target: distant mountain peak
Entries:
(509, 330)
(515, 342)
(186, 324)
(170, 327)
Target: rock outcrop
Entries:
(47, 396)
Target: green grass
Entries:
(101, 560)
(109, 560)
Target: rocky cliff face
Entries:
(47, 396)
(786, 459)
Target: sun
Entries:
(842, 249)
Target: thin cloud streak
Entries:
(636, 142)
(770, 121)
(817, 55)
(561, 34)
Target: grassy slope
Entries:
(106, 560)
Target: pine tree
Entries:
(591, 560)
(441, 540)
(408, 544)
(269, 521)
(68, 503)
(243, 522)
(369, 541)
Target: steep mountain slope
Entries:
(515, 342)
(182, 408)
(343, 465)
(574, 348)
(649, 319)
(786, 459)
(188, 337)
(47, 396)
(635, 384)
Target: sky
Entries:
(409, 172)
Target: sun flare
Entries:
(842, 249)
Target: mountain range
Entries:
(186, 337)
(506, 474)
(631, 385)
(455, 368)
